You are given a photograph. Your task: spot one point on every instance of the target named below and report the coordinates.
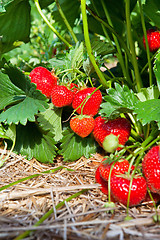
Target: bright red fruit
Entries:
(61, 96)
(82, 125)
(101, 181)
(153, 37)
(120, 189)
(92, 105)
(44, 79)
(120, 127)
(151, 169)
(120, 167)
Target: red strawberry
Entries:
(119, 127)
(120, 167)
(82, 125)
(120, 189)
(44, 79)
(61, 96)
(153, 37)
(151, 169)
(92, 105)
(101, 181)
(74, 88)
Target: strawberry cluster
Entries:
(122, 181)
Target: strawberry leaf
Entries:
(17, 89)
(73, 147)
(32, 142)
(118, 99)
(50, 120)
(148, 111)
(156, 69)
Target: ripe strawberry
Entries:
(74, 88)
(153, 37)
(61, 96)
(120, 167)
(119, 127)
(101, 181)
(92, 105)
(120, 189)
(151, 169)
(82, 125)
(44, 79)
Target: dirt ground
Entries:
(47, 198)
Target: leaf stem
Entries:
(49, 24)
(132, 47)
(88, 45)
(66, 22)
(146, 41)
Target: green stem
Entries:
(66, 22)
(132, 47)
(120, 56)
(49, 24)
(146, 40)
(44, 217)
(88, 45)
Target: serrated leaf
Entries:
(119, 99)
(148, 93)
(19, 90)
(148, 111)
(32, 142)
(14, 24)
(73, 147)
(50, 120)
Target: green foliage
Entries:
(120, 99)
(14, 25)
(17, 89)
(73, 146)
(32, 142)
(151, 8)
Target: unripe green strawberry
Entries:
(82, 125)
(44, 79)
(61, 96)
(119, 127)
(110, 143)
(89, 107)
(120, 186)
(151, 169)
(153, 37)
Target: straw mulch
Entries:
(84, 217)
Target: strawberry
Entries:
(101, 181)
(44, 79)
(74, 88)
(82, 125)
(151, 169)
(120, 167)
(153, 37)
(61, 96)
(119, 127)
(120, 189)
(155, 196)
(90, 106)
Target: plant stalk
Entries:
(66, 22)
(49, 24)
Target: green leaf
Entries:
(119, 99)
(156, 69)
(148, 93)
(73, 147)
(19, 90)
(32, 142)
(50, 120)
(148, 111)
(71, 10)
(152, 11)
(14, 24)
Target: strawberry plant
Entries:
(123, 100)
